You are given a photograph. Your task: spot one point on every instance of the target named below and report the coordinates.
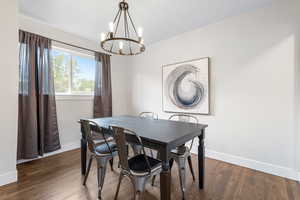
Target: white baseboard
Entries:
(64, 148)
(252, 164)
(299, 177)
(9, 177)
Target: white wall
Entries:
(297, 99)
(9, 90)
(121, 85)
(71, 109)
(252, 85)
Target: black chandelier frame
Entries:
(111, 37)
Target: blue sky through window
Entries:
(86, 68)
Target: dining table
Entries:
(158, 134)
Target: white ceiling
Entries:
(160, 19)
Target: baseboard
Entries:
(64, 148)
(9, 177)
(299, 177)
(252, 164)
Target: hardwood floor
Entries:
(58, 177)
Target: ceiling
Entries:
(160, 19)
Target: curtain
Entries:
(102, 95)
(37, 123)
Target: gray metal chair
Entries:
(101, 148)
(140, 168)
(182, 154)
(149, 115)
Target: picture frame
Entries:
(186, 87)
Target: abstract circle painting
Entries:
(186, 87)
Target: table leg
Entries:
(201, 160)
(165, 177)
(83, 152)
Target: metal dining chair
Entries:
(149, 115)
(182, 153)
(139, 168)
(102, 152)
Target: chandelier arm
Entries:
(132, 24)
(117, 15)
(125, 31)
(128, 33)
(107, 34)
(116, 29)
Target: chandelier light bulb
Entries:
(140, 31)
(111, 26)
(121, 45)
(103, 37)
(142, 41)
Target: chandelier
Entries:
(123, 38)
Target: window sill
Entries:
(74, 97)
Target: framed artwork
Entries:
(186, 87)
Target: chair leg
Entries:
(153, 180)
(171, 163)
(139, 195)
(119, 184)
(134, 186)
(181, 167)
(111, 162)
(191, 167)
(140, 183)
(88, 170)
(154, 177)
(101, 169)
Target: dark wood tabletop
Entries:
(169, 132)
(162, 135)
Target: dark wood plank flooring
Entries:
(58, 178)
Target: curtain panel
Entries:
(103, 93)
(37, 123)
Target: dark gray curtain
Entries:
(102, 97)
(38, 129)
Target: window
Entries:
(74, 72)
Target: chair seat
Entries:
(138, 164)
(103, 148)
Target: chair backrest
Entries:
(185, 118)
(149, 115)
(119, 135)
(94, 133)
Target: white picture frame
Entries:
(186, 87)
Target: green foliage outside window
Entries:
(73, 74)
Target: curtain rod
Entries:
(65, 43)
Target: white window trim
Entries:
(76, 97)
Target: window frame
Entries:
(71, 95)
